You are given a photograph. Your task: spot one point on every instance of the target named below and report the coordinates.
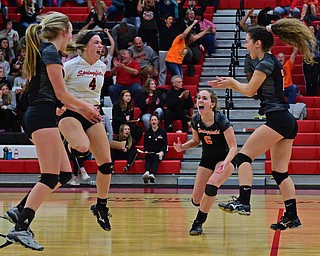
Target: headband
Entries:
(87, 37)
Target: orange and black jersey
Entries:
(213, 141)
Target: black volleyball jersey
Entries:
(270, 92)
(213, 141)
(40, 87)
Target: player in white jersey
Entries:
(84, 77)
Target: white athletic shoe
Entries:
(145, 177)
(84, 174)
(74, 181)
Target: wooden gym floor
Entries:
(156, 221)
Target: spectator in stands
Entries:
(106, 58)
(286, 7)
(146, 57)
(18, 86)
(289, 88)
(179, 104)
(310, 7)
(195, 46)
(10, 34)
(253, 20)
(168, 7)
(167, 33)
(96, 19)
(124, 151)
(84, 77)
(179, 49)
(3, 79)
(150, 101)
(131, 14)
(29, 12)
(116, 8)
(8, 106)
(191, 6)
(311, 70)
(219, 147)
(4, 9)
(155, 146)
(149, 16)
(7, 52)
(208, 40)
(123, 35)
(123, 113)
(128, 76)
(281, 127)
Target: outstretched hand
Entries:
(222, 82)
(178, 146)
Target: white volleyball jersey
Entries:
(83, 80)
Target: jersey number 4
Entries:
(207, 139)
(93, 84)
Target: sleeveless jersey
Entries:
(83, 80)
(214, 144)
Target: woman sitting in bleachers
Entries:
(150, 101)
(122, 113)
(123, 147)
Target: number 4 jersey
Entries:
(83, 80)
(214, 144)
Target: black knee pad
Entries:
(211, 190)
(197, 205)
(239, 159)
(64, 177)
(79, 154)
(51, 180)
(279, 176)
(106, 168)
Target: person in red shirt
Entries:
(286, 7)
(289, 88)
(128, 76)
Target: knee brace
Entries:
(64, 177)
(50, 180)
(279, 176)
(79, 154)
(106, 168)
(239, 159)
(211, 190)
(197, 205)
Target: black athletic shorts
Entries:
(39, 116)
(84, 122)
(210, 162)
(283, 123)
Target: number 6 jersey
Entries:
(214, 144)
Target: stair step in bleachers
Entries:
(305, 139)
(303, 153)
(298, 167)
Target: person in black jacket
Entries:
(128, 151)
(179, 102)
(122, 113)
(150, 101)
(155, 146)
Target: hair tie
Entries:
(268, 28)
(42, 26)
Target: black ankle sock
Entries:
(291, 208)
(21, 205)
(102, 203)
(25, 219)
(245, 194)
(201, 217)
